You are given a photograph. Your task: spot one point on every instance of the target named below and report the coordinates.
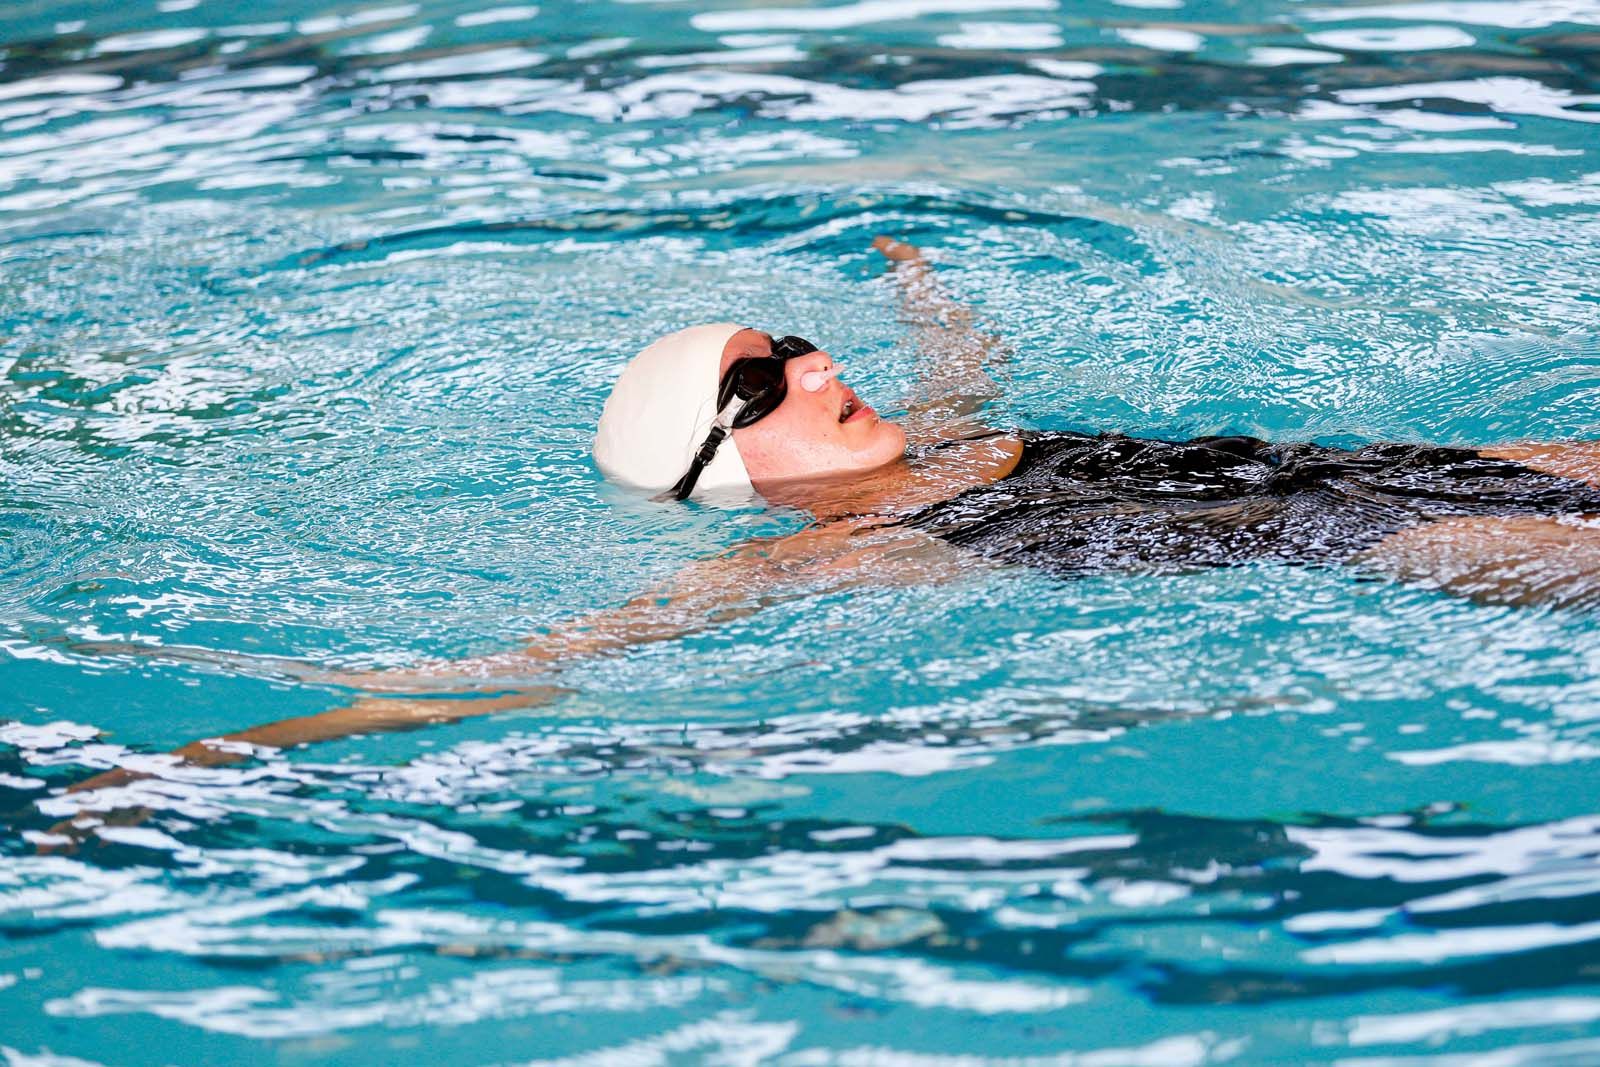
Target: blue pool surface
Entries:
(307, 312)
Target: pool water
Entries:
(308, 309)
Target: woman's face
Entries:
(811, 434)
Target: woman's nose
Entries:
(814, 381)
(816, 370)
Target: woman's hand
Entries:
(367, 715)
(897, 251)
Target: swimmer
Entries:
(723, 411)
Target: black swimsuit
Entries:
(1081, 503)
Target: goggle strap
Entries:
(785, 348)
(708, 449)
(729, 412)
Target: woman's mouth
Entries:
(854, 408)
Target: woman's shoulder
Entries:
(941, 469)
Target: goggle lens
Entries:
(760, 381)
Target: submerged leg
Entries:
(1578, 460)
(1519, 560)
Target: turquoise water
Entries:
(307, 311)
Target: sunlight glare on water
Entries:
(308, 311)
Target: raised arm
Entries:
(955, 384)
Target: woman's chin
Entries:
(882, 444)
(895, 439)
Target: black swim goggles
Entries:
(750, 391)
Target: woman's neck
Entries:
(909, 483)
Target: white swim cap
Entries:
(660, 410)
